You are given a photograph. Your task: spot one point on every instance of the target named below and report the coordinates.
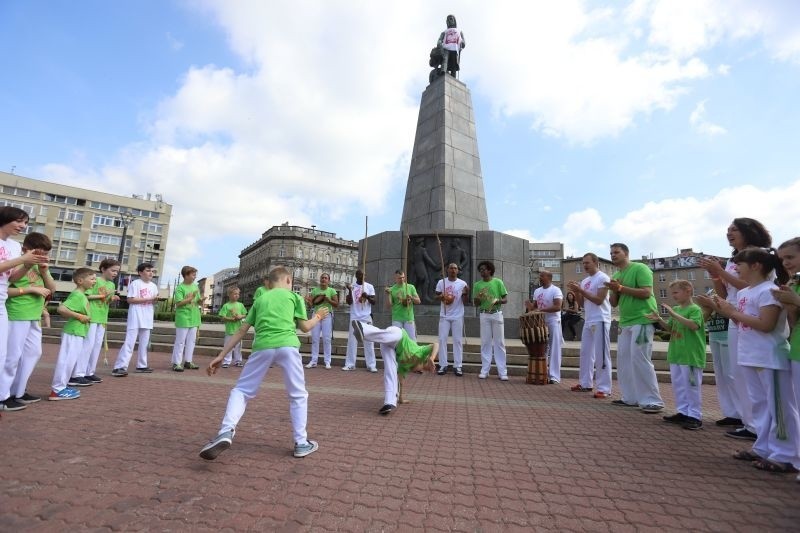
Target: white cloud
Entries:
(174, 43)
(703, 126)
(723, 70)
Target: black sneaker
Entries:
(741, 434)
(144, 370)
(28, 398)
(119, 372)
(79, 382)
(386, 409)
(94, 378)
(10, 404)
(442, 371)
(692, 424)
(729, 421)
(458, 372)
(677, 418)
(358, 331)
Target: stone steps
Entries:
(212, 337)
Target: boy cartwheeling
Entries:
(401, 355)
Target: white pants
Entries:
(3, 328)
(24, 351)
(94, 344)
(635, 371)
(387, 339)
(183, 351)
(493, 343)
(352, 344)
(774, 409)
(555, 340)
(724, 363)
(595, 359)
(741, 392)
(71, 348)
(410, 328)
(254, 372)
(126, 350)
(234, 355)
(456, 326)
(687, 387)
(324, 329)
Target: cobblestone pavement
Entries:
(465, 455)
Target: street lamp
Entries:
(125, 219)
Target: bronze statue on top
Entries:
(445, 57)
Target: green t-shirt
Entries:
(273, 316)
(687, 347)
(632, 310)
(98, 309)
(401, 312)
(259, 291)
(231, 309)
(330, 292)
(26, 306)
(409, 354)
(794, 339)
(77, 301)
(187, 316)
(486, 291)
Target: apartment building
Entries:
(89, 226)
(306, 252)
(546, 256)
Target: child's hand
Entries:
(84, 319)
(41, 291)
(322, 312)
(653, 316)
(786, 295)
(214, 364)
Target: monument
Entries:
(444, 214)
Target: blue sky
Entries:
(653, 123)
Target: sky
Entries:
(654, 123)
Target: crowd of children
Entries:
(751, 319)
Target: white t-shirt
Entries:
(452, 39)
(592, 311)
(545, 297)
(9, 249)
(454, 289)
(140, 316)
(756, 348)
(359, 310)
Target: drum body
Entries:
(534, 335)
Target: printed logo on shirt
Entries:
(740, 306)
(451, 36)
(145, 293)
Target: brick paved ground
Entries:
(466, 455)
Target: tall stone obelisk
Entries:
(444, 215)
(445, 184)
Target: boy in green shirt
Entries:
(400, 354)
(187, 320)
(26, 300)
(100, 297)
(275, 315)
(402, 298)
(686, 354)
(232, 314)
(76, 310)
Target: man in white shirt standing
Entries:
(451, 291)
(592, 294)
(548, 299)
(360, 298)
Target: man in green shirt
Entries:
(326, 297)
(631, 289)
(488, 295)
(402, 298)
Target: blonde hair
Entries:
(231, 289)
(682, 284)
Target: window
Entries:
(662, 276)
(67, 234)
(662, 293)
(676, 275)
(152, 227)
(104, 220)
(92, 257)
(67, 254)
(578, 268)
(28, 208)
(60, 199)
(544, 253)
(706, 275)
(43, 210)
(105, 238)
(691, 275)
(299, 253)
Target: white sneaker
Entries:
(311, 364)
(482, 375)
(373, 369)
(503, 378)
(327, 366)
(347, 368)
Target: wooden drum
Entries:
(534, 335)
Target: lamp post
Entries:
(125, 218)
